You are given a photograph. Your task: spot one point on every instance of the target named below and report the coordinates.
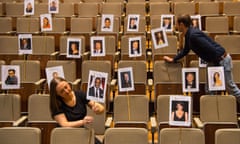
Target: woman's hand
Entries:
(168, 59)
(87, 120)
(96, 107)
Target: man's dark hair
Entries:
(107, 19)
(185, 19)
(13, 70)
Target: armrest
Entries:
(150, 84)
(108, 122)
(153, 124)
(77, 81)
(113, 84)
(41, 81)
(86, 55)
(149, 55)
(117, 56)
(20, 120)
(55, 53)
(198, 122)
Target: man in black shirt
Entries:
(207, 49)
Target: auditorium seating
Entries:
(216, 112)
(224, 136)
(72, 135)
(181, 135)
(154, 79)
(126, 135)
(20, 135)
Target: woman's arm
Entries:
(96, 107)
(63, 122)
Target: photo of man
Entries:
(135, 48)
(126, 82)
(167, 22)
(196, 21)
(53, 6)
(97, 85)
(25, 44)
(11, 78)
(96, 90)
(190, 79)
(133, 22)
(10, 75)
(98, 46)
(107, 23)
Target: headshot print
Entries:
(25, 43)
(107, 23)
(73, 48)
(10, 77)
(135, 47)
(159, 38)
(196, 21)
(126, 82)
(190, 79)
(29, 7)
(97, 46)
(97, 85)
(167, 22)
(180, 110)
(46, 22)
(216, 78)
(53, 6)
(133, 22)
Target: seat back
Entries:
(28, 25)
(159, 8)
(72, 136)
(126, 136)
(181, 135)
(125, 43)
(6, 25)
(230, 42)
(135, 8)
(10, 107)
(38, 108)
(218, 24)
(131, 109)
(180, 8)
(208, 8)
(112, 8)
(231, 135)
(29, 70)
(69, 68)
(231, 8)
(218, 108)
(20, 135)
(85, 28)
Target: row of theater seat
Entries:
(217, 112)
(26, 135)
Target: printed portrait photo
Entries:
(73, 48)
(107, 23)
(28, 7)
(159, 38)
(180, 111)
(167, 22)
(202, 63)
(53, 72)
(135, 47)
(196, 21)
(46, 22)
(125, 79)
(10, 76)
(133, 23)
(53, 6)
(25, 43)
(97, 85)
(98, 46)
(190, 79)
(216, 79)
